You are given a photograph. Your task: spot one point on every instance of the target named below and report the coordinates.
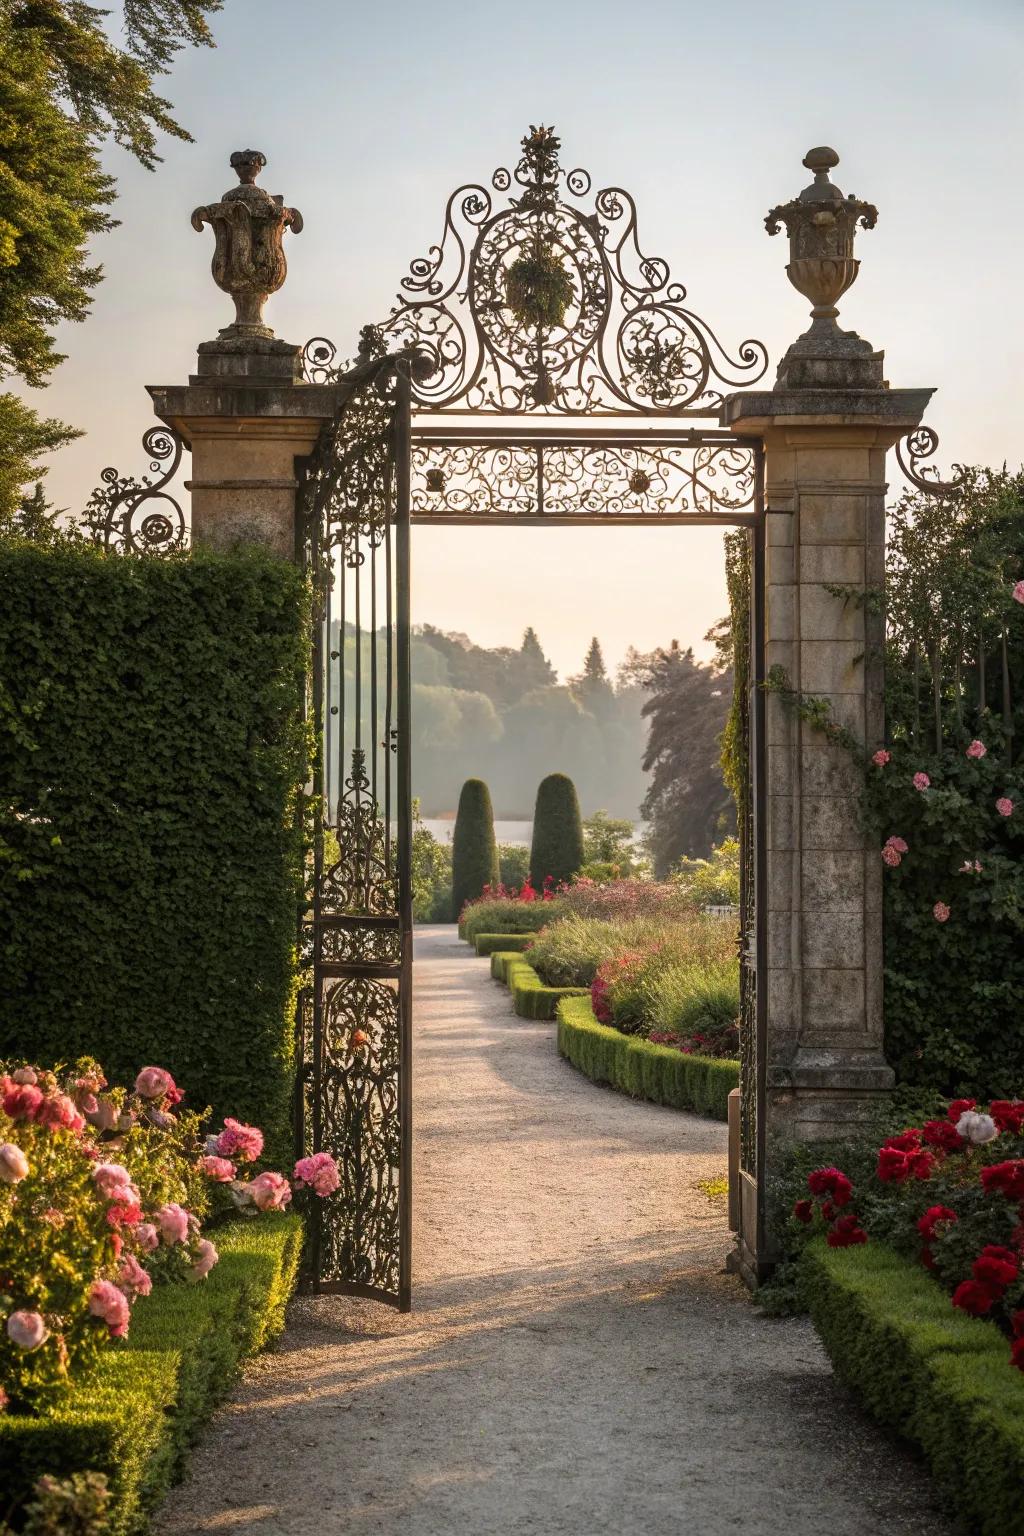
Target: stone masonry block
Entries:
(781, 822)
(841, 564)
(836, 519)
(832, 999)
(780, 565)
(778, 528)
(831, 666)
(780, 614)
(831, 822)
(823, 616)
(832, 881)
(833, 941)
(826, 769)
(783, 939)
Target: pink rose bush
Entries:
(103, 1195)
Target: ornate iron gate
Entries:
(354, 1015)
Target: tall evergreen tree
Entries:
(65, 87)
(592, 686)
(687, 805)
(474, 850)
(557, 847)
(535, 671)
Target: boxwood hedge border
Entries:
(938, 1377)
(136, 1417)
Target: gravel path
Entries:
(577, 1362)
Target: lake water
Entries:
(519, 832)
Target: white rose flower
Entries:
(977, 1129)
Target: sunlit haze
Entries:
(370, 116)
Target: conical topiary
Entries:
(557, 848)
(474, 851)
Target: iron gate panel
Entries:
(355, 1015)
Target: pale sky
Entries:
(370, 116)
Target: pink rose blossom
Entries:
(1005, 806)
(969, 867)
(147, 1237)
(898, 844)
(173, 1223)
(111, 1179)
(133, 1279)
(320, 1172)
(921, 781)
(13, 1164)
(21, 1101)
(940, 912)
(977, 749)
(891, 856)
(206, 1258)
(243, 1142)
(270, 1192)
(27, 1330)
(103, 1117)
(153, 1083)
(881, 757)
(1018, 592)
(219, 1169)
(25, 1075)
(110, 1305)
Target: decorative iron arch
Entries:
(545, 306)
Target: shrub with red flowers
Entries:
(949, 1193)
(103, 1192)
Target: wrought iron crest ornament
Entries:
(546, 305)
(921, 444)
(140, 516)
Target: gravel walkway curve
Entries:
(577, 1362)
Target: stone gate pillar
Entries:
(825, 427)
(246, 413)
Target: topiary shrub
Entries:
(557, 852)
(474, 851)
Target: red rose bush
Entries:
(949, 1193)
(103, 1194)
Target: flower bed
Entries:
(932, 1374)
(531, 999)
(135, 1414)
(644, 1070)
(506, 915)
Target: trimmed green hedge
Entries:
(643, 1070)
(135, 1419)
(927, 1370)
(152, 754)
(531, 999)
(510, 943)
(474, 851)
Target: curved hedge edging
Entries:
(641, 1069)
(939, 1377)
(137, 1415)
(531, 999)
(509, 943)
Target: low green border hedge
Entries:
(135, 1418)
(509, 943)
(531, 999)
(939, 1377)
(643, 1070)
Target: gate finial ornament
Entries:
(821, 224)
(248, 260)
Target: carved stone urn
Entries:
(821, 224)
(248, 260)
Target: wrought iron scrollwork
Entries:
(625, 342)
(581, 480)
(140, 516)
(921, 444)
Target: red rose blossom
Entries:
(846, 1233)
(993, 1270)
(974, 1297)
(804, 1211)
(1008, 1116)
(929, 1222)
(831, 1182)
(893, 1167)
(1005, 1179)
(942, 1134)
(959, 1107)
(906, 1141)
(920, 1164)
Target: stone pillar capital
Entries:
(787, 417)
